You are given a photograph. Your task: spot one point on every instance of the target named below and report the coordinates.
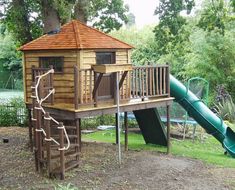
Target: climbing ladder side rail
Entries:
(43, 122)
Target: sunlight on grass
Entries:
(210, 150)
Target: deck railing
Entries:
(150, 81)
(144, 82)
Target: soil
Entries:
(99, 169)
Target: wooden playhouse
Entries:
(79, 72)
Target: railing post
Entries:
(75, 87)
(168, 80)
(51, 81)
(47, 122)
(38, 137)
(62, 159)
(32, 73)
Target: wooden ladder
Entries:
(51, 156)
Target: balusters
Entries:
(62, 158)
(47, 121)
(150, 81)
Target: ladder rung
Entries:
(69, 165)
(67, 154)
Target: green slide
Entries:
(151, 126)
(203, 115)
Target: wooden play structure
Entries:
(72, 74)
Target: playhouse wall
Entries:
(63, 82)
(88, 58)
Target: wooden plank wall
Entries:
(63, 82)
(88, 58)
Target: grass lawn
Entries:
(209, 151)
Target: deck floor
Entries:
(133, 104)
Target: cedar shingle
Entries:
(76, 35)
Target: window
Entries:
(105, 57)
(56, 62)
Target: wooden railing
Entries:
(144, 82)
(150, 81)
(84, 85)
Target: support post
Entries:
(78, 133)
(38, 137)
(118, 117)
(62, 159)
(126, 131)
(116, 127)
(30, 130)
(34, 122)
(96, 86)
(168, 129)
(75, 87)
(47, 122)
(51, 86)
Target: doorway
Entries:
(105, 90)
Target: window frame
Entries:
(111, 53)
(48, 57)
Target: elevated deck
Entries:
(140, 88)
(69, 112)
(55, 126)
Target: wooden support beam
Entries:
(51, 81)
(97, 83)
(38, 138)
(168, 129)
(126, 130)
(75, 87)
(30, 130)
(96, 86)
(78, 133)
(122, 79)
(47, 122)
(62, 158)
(116, 127)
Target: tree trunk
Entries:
(81, 10)
(50, 16)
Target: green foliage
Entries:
(10, 58)
(213, 16)
(171, 22)
(23, 18)
(108, 15)
(212, 57)
(13, 113)
(145, 49)
(226, 109)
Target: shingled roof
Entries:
(75, 35)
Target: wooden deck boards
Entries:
(68, 110)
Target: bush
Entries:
(226, 109)
(13, 113)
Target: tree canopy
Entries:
(28, 19)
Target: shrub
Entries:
(226, 109)
(13, 113)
